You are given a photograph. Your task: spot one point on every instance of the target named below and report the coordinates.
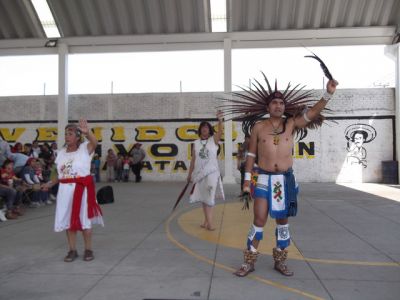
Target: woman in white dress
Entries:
(204, 170)
(77, 208)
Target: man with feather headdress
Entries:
(290, 112)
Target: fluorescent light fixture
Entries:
(218, 16)
(46, 18)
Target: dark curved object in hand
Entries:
(322, 64)
(181, 195)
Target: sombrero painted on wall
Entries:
(368, 129)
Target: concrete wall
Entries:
(165, 123)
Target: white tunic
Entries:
(206, 173)
(71, 165)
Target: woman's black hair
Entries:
(210, 128)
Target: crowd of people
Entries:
(118, 166)
(24, 171)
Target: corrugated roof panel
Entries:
(6, 28)
(18, 20)
(123, 20)
(126, 17)
(300, 14)
(92, 22)
(77, 20)
(153, 16)
(106, 16)
(311, 14)
(170, 19)
(129, 17)
(62, 20)
(367, 13)
(187, 16)
(387, 7)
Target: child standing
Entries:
(96, 166)
(119, 167)
(126, 166)
(111, 162)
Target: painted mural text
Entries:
(166, 152)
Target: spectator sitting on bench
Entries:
(8, 193)
(29, 176)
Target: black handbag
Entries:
(105, 195)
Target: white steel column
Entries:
(393, 51)
(62, 92)
(228, 124)
(397, 101)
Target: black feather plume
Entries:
(322, 64)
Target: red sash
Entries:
(94, 209)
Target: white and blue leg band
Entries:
(282, 236)
(254, 233)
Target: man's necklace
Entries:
(275, 132)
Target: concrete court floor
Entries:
(345, 245)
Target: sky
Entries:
(194, 71)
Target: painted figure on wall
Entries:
(357, 135)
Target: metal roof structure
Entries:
(147, 25)
(251, 15)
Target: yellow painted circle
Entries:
(232, 232)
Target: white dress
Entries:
(206, 173)
(71, 165)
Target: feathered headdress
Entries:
(249, 106)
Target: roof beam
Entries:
(202, 41)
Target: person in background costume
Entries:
(77, 208)
(138, 156)
(204, 170)
(271, 142)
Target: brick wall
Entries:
(323, 155)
